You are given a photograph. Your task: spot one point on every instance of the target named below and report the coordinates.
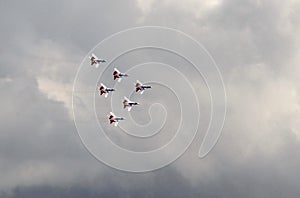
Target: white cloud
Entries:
(196, 8)
(58, 91)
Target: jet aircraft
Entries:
(118, 75)
(139, 87)
(114, 119)
(104, 90)
(95, 60)
(128, 103)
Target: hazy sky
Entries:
(256, 44)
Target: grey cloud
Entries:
(257, 155)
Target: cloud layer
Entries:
(255, 43)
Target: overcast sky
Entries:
(256, 44)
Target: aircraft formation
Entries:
(103, 90)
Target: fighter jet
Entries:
(118, 75)
(140, 87)
(95, 60)
(114, 119)
(128, 103)
(104, 90)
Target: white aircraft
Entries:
(114, 119)
(128, 103)
(140, 87)
(104, 90)
(95, 60)
(118, 75)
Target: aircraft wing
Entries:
(103, 85)
(93, 55)
(111, 113)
